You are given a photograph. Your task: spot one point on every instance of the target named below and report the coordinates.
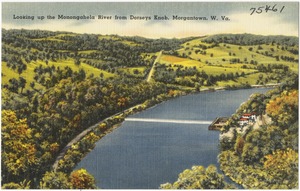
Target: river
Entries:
(143, 155)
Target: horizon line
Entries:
(191, 36)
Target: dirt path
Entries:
(152, 69)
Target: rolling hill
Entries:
(56, 85)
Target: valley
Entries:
(56, 85)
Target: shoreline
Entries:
(130, 111)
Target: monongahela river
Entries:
(143, 155)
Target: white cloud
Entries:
(267, 24)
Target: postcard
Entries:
(149, 95)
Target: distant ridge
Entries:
(243, 39)
(252, 39)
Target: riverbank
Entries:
(243, 86)
(143, 155)
(108, 125)
(104, 127)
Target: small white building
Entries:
(246, 118)
(243, 121)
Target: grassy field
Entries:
(116, 38)
(70, 62)
(87, 51)
(209, 69)
(250, 79)
(216, 70)
(28, 74)
(224, 53)
(228, 58)
(8, 73)
(213, 59)
(134, 71)
(49, 39)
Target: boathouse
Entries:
(218, 123)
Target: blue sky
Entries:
(271, 23)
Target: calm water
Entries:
(141, 155)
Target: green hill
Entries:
(56, 85)
(241, 58)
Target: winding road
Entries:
(84, 133)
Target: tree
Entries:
(18, 153)
(210, 80)
(22, 83)
(101, 75)
(13, 85)
(77, 62)
(55, 180)
(284, 109)
(32, 85)
(199, 178)
(81, 179)
(253, 147)
(12, 185)
(81, 74)
(283, 166)
(239, 145)
(136, 71)
(21, 67)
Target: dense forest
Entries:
(57, 84)
(266, 154)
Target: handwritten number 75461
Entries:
(267, 8)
